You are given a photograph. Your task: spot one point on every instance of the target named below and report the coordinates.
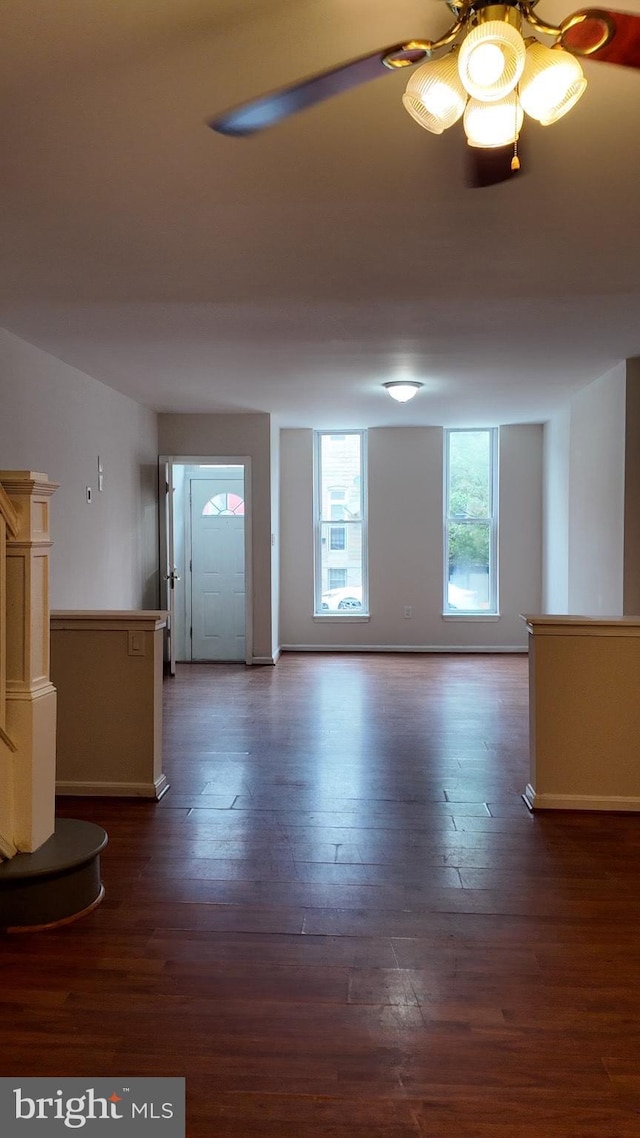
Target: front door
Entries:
(217, 566)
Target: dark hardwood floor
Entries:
(342, 921)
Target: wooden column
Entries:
(107, 669)
(30, 695)
(584, 713)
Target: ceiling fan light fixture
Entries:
(435, 96)
(402, 390)
(551, 84)
(491, 60)
(493, 124)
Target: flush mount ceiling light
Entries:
(402, 390)
(486, 59)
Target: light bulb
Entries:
(486, 64)
(551, 84)
(493, 124)
(491, 60)
(435, 97)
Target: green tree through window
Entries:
(470, 521)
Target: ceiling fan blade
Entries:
(599, 33)
(491, 166)
(267, 110)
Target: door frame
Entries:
(167, 520)
(167, 558)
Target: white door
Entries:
(217, 568)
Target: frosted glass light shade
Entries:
(551, 84)
(402, 390)
(435, 97)
(491, 60)
(493, 124)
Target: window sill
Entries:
(336, 618)
(477, 617)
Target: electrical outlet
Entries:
(408, 612)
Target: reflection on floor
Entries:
(342, 922)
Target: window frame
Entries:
(319, 521)
(493, 611)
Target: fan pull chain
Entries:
(515, 161)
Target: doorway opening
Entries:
(206, 552)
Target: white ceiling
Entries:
(295, 271)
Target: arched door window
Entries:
(225, 505)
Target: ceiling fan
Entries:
(494, 72)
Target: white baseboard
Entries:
(603, 802)
(442, 648)
(264, 659)
(154, 790)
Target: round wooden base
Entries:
(58, 883)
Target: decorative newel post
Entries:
(8, 526)
(30, 695)
(49, 869)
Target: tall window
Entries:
(340, 479)
(470, 522)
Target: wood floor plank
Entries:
(342, 922)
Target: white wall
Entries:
(219, 436)
(555, 543)
(405, 554)
(57, 420)
(596, 497)
(405, 543)
(275, 539)
(296, 537)
(521, 454)
(632, 491)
